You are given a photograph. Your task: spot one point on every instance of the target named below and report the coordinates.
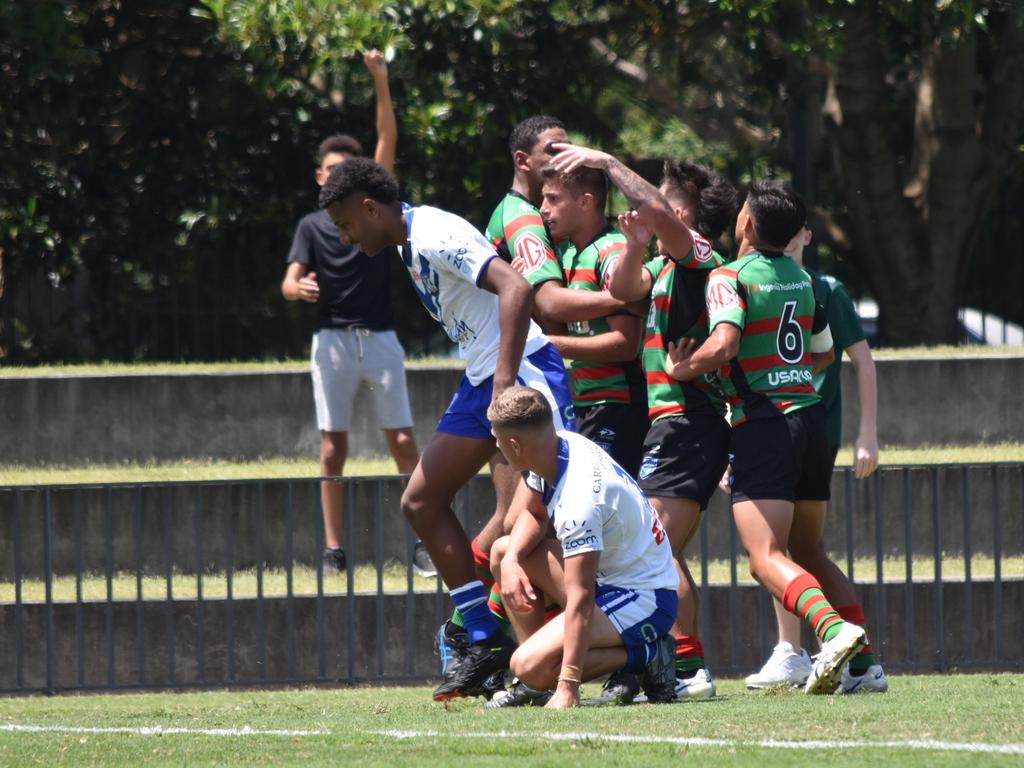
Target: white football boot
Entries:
(828, 665)
(784, 667)
(698, 686)
(872, 681)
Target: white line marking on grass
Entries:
(156, 730)
(698, 741)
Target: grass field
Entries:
(923, 721)
(200, 469)
(364, 578)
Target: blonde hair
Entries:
(522, 407)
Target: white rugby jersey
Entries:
(446, 256)
(596, 507)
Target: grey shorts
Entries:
(341, 359)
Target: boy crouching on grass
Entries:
(611, 553)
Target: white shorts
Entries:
(341, 359)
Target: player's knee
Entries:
(758, 562)
(498, 550)
(412, 507)
(538, 673)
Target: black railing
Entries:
(193, 584)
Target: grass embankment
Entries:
(198, 469)
(275, 580)
(229, 366)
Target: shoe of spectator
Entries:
(422, 565)
(334, 559)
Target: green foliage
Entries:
(157, 157)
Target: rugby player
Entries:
(609, 394)
(518, 233)
(517, 230)
(484, 306)
(768, 336)
(789, 664)
(686, 448)
(611, 554)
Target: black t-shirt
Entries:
(355, 289)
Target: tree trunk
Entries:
(914, 239)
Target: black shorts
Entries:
(685, 456)
(785, 457)
(619, 428)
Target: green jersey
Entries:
(844, 325)
(517, 232)
(589, 269)
(770, 299)
(678, 310)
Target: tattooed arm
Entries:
(652, 206)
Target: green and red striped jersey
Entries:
(677, 310)
(770, 299)
(589, 269)
(517, 232)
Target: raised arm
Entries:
(629, 281)
(387, 127)
(654, 210)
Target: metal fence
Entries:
(195, 584)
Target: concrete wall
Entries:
(137, 418)
(937, 401)
(157, 644)
(72, 420)
(915, 510)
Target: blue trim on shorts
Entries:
(550, 363)
(466, 415)
(640, 639)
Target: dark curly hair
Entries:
(359, 174)
(777, 211)
(339, 143)
(715, 199)
(524, 136)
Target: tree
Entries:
(922, 107)
(915, 195)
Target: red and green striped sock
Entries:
(803, 597)
(689, 655)
(482, 564)
(855, 615)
